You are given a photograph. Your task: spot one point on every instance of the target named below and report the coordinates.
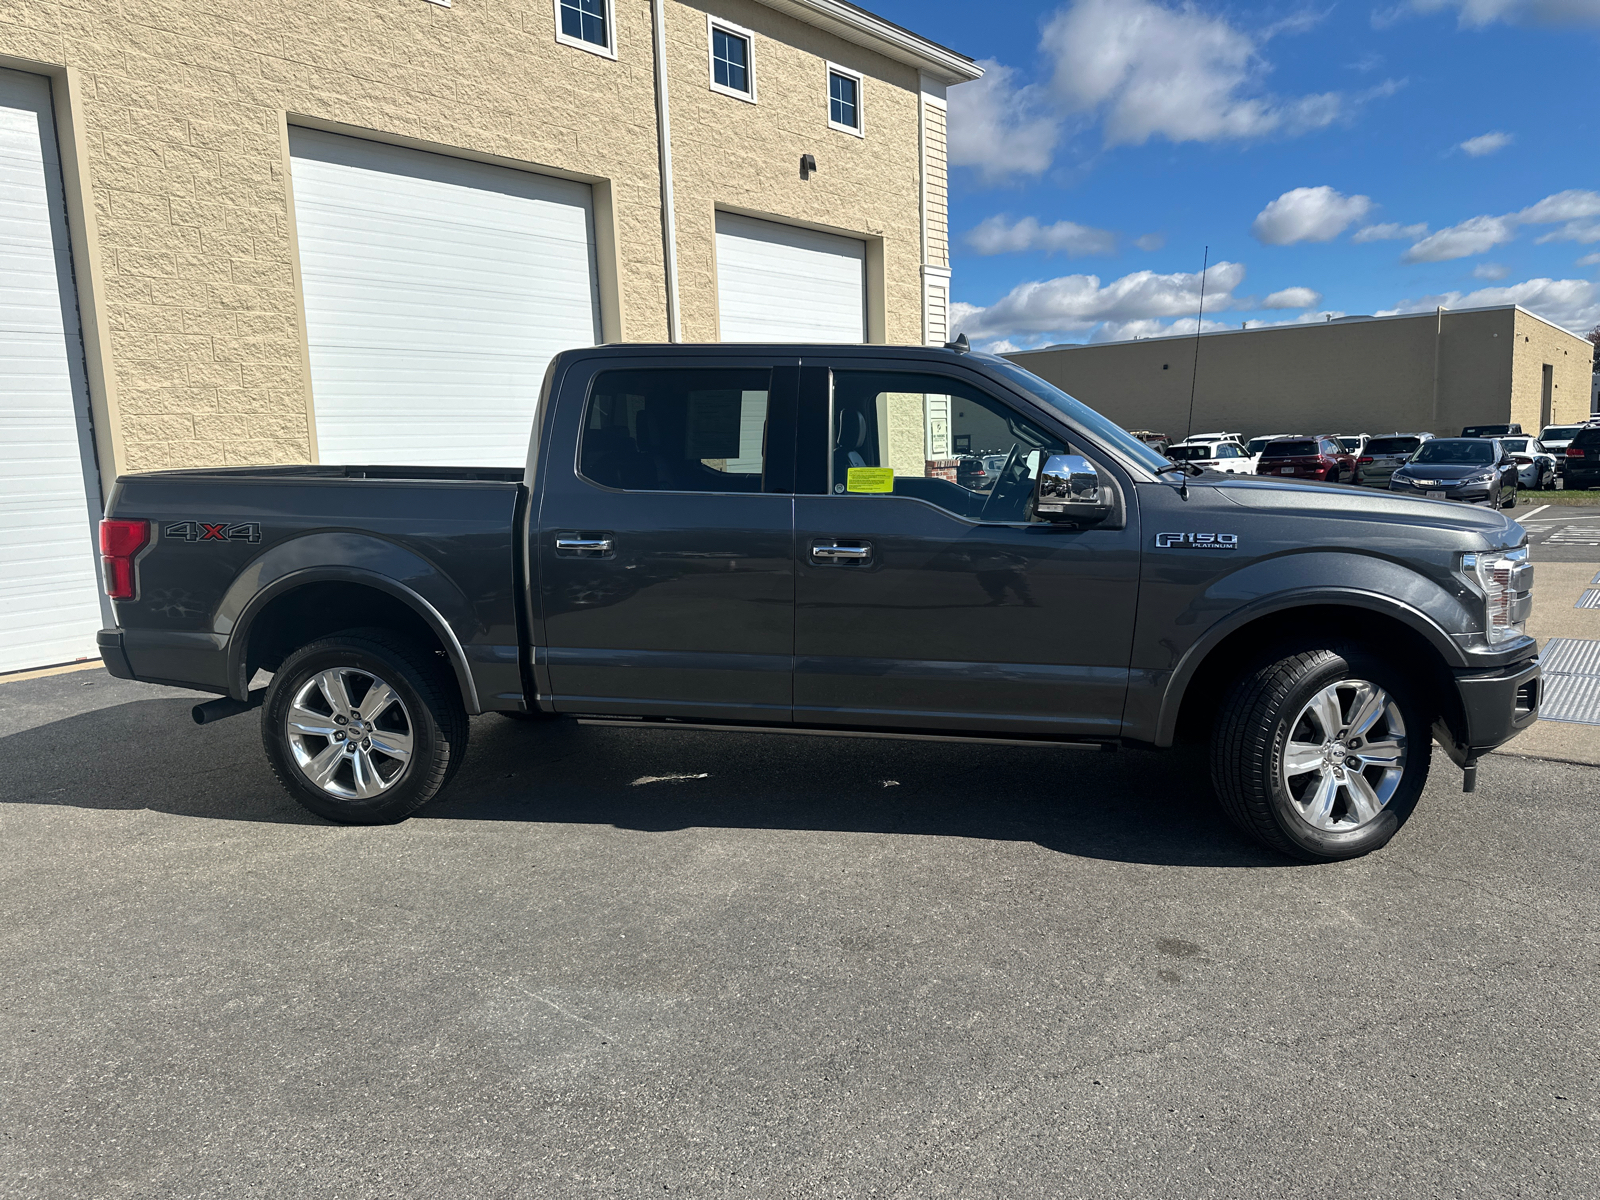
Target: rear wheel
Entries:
(363, 727)
(1509, 502)
(1321, 753)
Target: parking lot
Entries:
(620, 963)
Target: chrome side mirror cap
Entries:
(1071, 491)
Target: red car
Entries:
(1318, 456)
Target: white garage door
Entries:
(777, 283)
(49, 582)
(436, 292)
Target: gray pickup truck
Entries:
(781, 537)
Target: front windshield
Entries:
(1458, 451)
(1079, 413)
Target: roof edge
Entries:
(873, 32)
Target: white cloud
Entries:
(1151, 242)
(1475, 14)
(1472, 236)
(1486, 143)
(1574, 231)
(1590, 260)
(1389, 232)
(1125, 331)
(1177, 73)
(1490, 271)
(1003, 346)
(1572, 303)
(999, 235)
(1570, 205)
(999, 128)
(1080, 302)
(1308, 214)
(1294, 297)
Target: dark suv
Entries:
(1583, 458)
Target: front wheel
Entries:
(1321, 753)
(363, 727)
(1511, 501)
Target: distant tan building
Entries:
(357, 230)
(1429, 371)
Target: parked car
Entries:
(1256, 445)
(1484, 431)
(972, 471)
(1536, 466)
(1473, 470)
(1227, 457)
(1583, 458)
(1556, 439)
(1385, 455)
(1354, 443)
(1156, 441)
(649, 569)
(1314, 457)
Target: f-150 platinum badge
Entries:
(1197, 541)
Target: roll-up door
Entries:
(49, 492)
(779, 283)
(436, 291)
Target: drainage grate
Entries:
(1574, 699)
(1590, 599)
(1571, 656)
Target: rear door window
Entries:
(1587, 437)
(678, 430)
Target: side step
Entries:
(827, 731)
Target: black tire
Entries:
(1254, 727)
(1549, 482)
(429, 712)
(1512, 502)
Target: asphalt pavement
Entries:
(628, 963)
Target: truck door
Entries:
(665, 540)
(926, 593)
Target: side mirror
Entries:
(1070, 491)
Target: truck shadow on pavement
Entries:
(1130, 806)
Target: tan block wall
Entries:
(744, 157)
(1571, 359)
(1371, 376)
(183, 115)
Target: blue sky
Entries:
(1337, 159)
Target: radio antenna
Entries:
(1194, 375)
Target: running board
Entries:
(818, 731)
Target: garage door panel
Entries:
(780, 283)
(436, 291)
(49, 587)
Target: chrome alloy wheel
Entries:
(1346, 756)
(349, 732)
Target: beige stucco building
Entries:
(240, 232)
(1437, 371)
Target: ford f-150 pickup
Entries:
(779, 537)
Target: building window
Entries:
(732, 68)
(844, 100)
(586, 24)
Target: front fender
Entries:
(347, 558)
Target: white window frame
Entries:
(607, 51)
(860, 127)
(740, 31)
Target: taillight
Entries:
(119, 542)
(1365, 458)
(1574, 452)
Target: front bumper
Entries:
(1495, 707)
(1472, 493)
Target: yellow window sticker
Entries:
(870, 479)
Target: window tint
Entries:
(1257, 445)
(1290, 450)
(1352, 444)
(1587, 437)
(1107, 432)
(1394, 445)
(928, 436)
(676, 430)
(843, 100)
(1516, 445)
(1461, 451)
(730, 60)
(1557, 433)
(585, 20)
(1188, 453)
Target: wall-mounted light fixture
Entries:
(808, 164)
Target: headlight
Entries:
(1506, 579)
(1485, 477)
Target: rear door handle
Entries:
(837, 553)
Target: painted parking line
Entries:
(1590, 599)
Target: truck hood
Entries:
(1333, 502)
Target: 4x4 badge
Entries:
(1197, 541)
(213, 531)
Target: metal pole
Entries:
(669, 219)
(1194, 375)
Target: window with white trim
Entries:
(732, 59)
(844, 100)
(587, 24)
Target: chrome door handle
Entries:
(592, 545)
(849, 553)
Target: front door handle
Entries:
(584, 545)
(837, 553)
